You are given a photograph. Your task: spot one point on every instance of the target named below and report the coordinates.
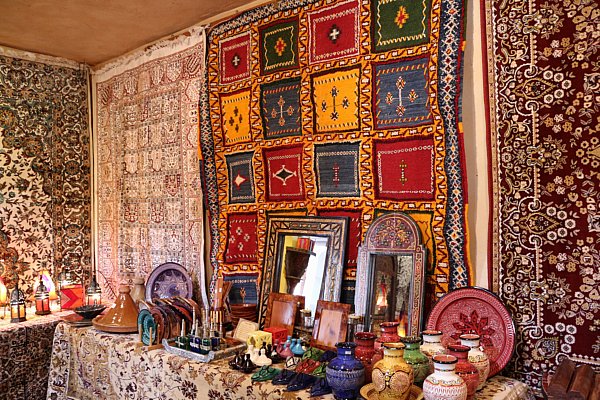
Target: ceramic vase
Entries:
(138, 290)
(444, 383)
(476, 356)
(392, 376)
(432, 345)
(365, 349)
(464, 368)
(417, 360)
(345, 374)
(389, 334)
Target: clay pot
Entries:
(432, 345)
(365, 350)
(444, 383)
(345, 374)
(417, 360)
(121, 317)
(392, 376)
(138, 292)
(476, 356)
(464, 368)
(389, 334)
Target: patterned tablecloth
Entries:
(88, 364)
(25, 350)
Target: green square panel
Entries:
(279, 46)
(400, 23)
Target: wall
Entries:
(44, 167)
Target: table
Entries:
(25, 349)
(89, 364)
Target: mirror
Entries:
(390, 278)
(304, 256)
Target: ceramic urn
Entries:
(345, 374)
(477, 357)
(392, 376)
(444, 383)
(464, 368)
(432, 345)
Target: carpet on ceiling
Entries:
(543, 84)
(344, 108)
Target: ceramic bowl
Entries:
(89, 312)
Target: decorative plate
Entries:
(476, 310)
(168, 280)
(368, 392)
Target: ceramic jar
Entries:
(464, 368)
(444, 383)
(345, 374)
(392, 376)
(389, 334)
(417, 360)
(477, 357)
(138, 291)
(365, 350)
(432, 345)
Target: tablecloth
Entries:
(89, 364)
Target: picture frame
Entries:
(282, 310)
(331, 324)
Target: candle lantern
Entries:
(17, 304)
(93, 293)
(42, 299)
(3, 297)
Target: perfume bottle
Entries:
(205, 348)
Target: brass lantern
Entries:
(42, 299)
(17, 304)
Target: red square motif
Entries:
(234, 58)
(241, 238)
(403, 169)
(284, 173)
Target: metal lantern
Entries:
(93, 293)
(42, 299)
(3, 297)
(17, 304)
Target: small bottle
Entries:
(215, 341)
(205, 349)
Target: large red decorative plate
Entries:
(476, 310)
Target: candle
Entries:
(3, 293)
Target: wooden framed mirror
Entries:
(304, 256)
(390, 276)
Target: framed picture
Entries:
(282, 309)
(331, 324)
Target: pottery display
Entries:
(432, 345)
(464, 368)
(345, 374)
(444, 383)
(417, 360)
(477, 357)
(121, 317)
(389, 334)
(392, 376)
(365, 350)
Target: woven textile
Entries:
(44, 169)
(544, 113)
(315, 121)
(149, 194)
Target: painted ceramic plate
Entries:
(476, 310)
(168, 280)
(368, 392)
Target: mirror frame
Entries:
(383, 238)
(334, 228)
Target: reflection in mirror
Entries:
(304, 256)
(390, 277)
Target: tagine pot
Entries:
(345, 373)
(444, 383)
(464, 368)
(392, 376)
(476, 356)
(417, 360)
(365, 350)
(432, 345)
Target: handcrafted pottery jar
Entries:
(464, 368)
(444, 383)
(345, 374)
(389, 334)
(392, 376)
(417, 360)
(138, 291)
(476, 356)
(365, 350)
(432, 345)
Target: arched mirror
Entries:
(390, 276)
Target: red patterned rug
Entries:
(544, 118)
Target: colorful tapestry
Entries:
(544, 113)
(45, 197)
(149, 191)
(337, 108)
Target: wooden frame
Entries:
(335, 229)
(282, 310)
(331, 324)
